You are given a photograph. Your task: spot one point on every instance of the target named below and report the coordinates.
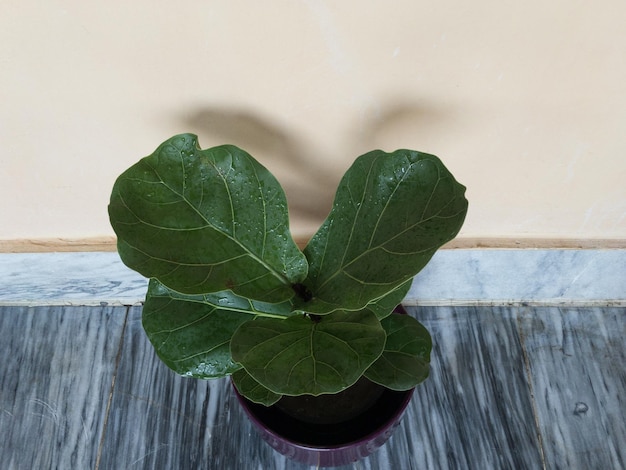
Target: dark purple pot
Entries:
(327, 445)
(306, 442)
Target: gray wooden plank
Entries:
(55, 378)
(159, 420)
(474, 411)
(577, 361)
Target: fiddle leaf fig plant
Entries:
(231, 294)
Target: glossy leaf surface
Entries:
(385, 305)
(405, 360)
(231, 294)
(206, 221)
(298, 355)
(392, 211)
(253, 390)
(191, 333)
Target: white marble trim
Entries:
(527, 277)
(453, 277)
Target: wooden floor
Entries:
(510, 388)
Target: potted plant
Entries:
(231, 294)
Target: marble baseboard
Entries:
(453, 277)
(89, 278)
(512, 277)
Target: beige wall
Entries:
(524, 101)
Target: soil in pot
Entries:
(333, 409)
(331, 420)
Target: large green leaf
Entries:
(301, 355)
(391, 213)
(205, 221)
(405, 360)
(191, 333)
(386, 304)
(253, 390)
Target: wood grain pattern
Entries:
(468, 415)
(510, 388)
(159, 420)
(577, 361)
(475, 410)
(55, 378)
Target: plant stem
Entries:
(302, 291)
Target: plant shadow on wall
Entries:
(399, 119)
(309, 184)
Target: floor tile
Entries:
(55, 378)
(510, 387)
(475, 409)
(577, 363)
(468, 413)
